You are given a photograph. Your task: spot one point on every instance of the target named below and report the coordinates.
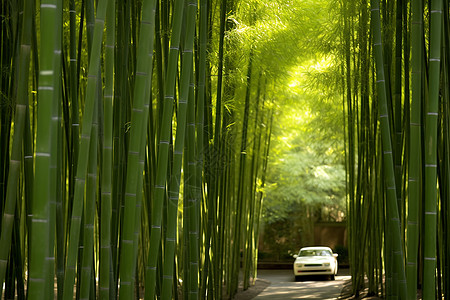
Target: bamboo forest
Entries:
(161, 149)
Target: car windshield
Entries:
(314, 252)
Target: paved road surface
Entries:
(283, 286)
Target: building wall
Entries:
(330, 234)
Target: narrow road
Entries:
(283, 286)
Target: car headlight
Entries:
(299, 265)
(326, 264)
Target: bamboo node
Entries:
(45, 88)
(34, 220)
(46, 72)
(430, 165)
(8, 216)
(52, 6)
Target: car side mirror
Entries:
(295, 256)
(335, 255)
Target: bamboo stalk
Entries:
(414, 181)
(163, 152)
(41, 249)
(430, 139)
(174, 186)
(94, 65)
(107, 156)
(134, 177)
(393, 233)
(89, 213)
(200, 116)
(16, 150)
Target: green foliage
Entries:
(306, 165)
(306, 168)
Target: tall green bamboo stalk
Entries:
(41, 249)
(414, 179)
(135, 170)
(56, 158)
(241, 196)
(430, 139)
(16, 150)
(107, 156)
(200, 115)
(120, 141)
(174, 186)
(445, 145)
(91, 92)
(163, 151)
(393, 231)
(89, 212)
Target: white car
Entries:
(315, 261)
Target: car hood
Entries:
(313, 259)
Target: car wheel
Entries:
(332, 277)
(298, 278)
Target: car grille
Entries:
(313, 265)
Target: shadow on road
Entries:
(281, 284)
